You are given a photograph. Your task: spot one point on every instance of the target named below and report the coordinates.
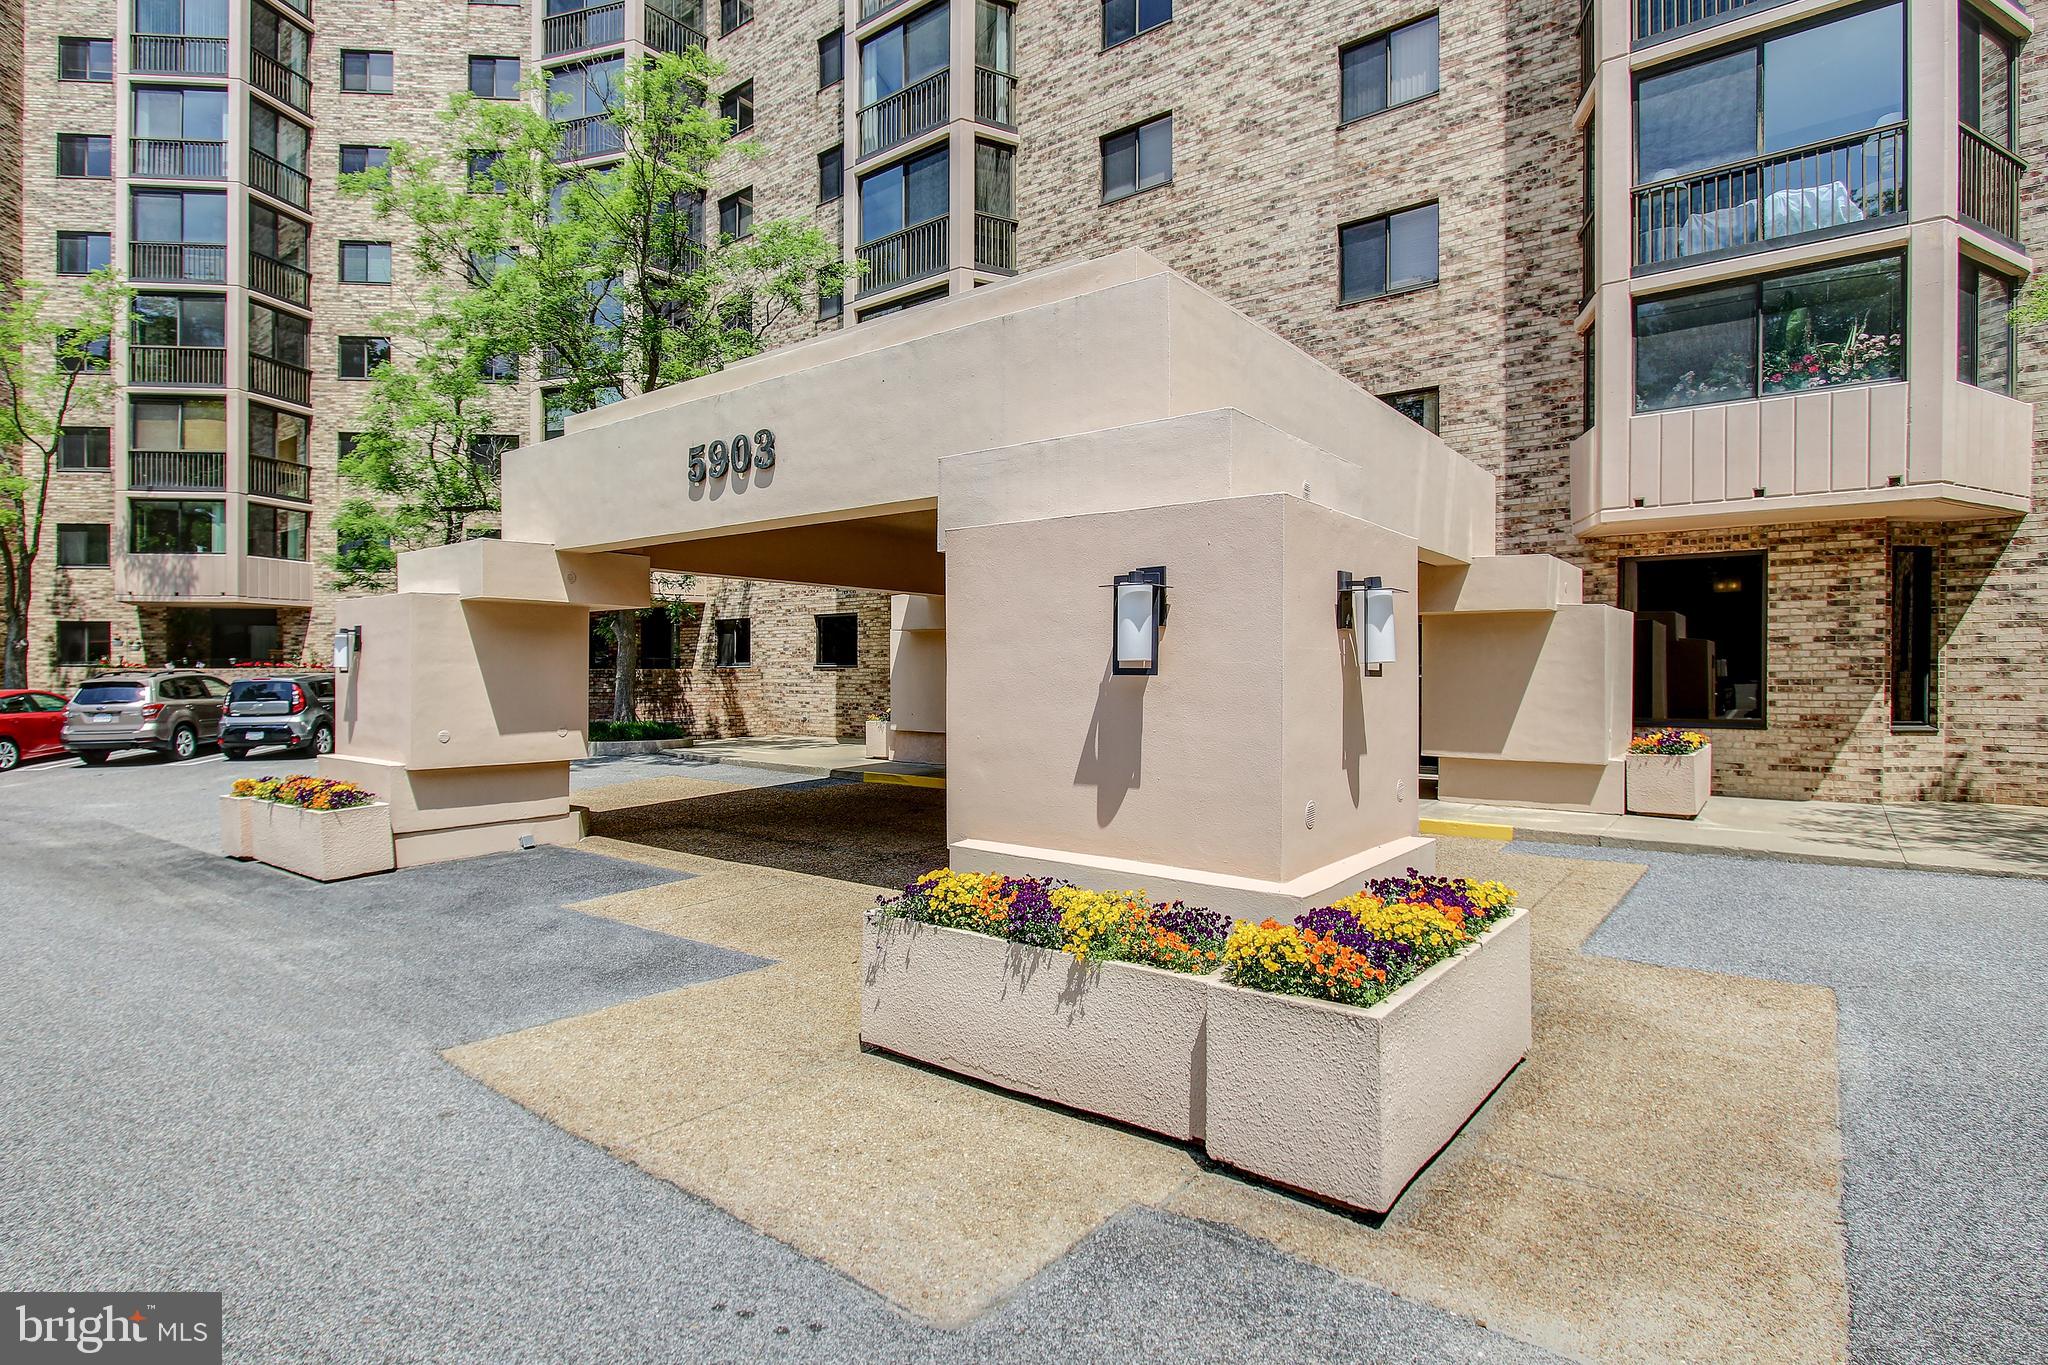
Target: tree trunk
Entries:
(14, 622)
(625, 665)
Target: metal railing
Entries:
(591, 135)
(280, 82)
(205, 366)
(271, 478)
(280, 379)
(591, 26)
(995, 97)
(1751, 204)
(196, 262)
(279, 279)
(177, 471)
(899, 258)
(995, 243)
(279, 181)
(177, 158)
(1657, 20)
(667, 33)
(895, 119)
(1990, 189)
(174, 54)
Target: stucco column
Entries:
(917, 678)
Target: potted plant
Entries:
(1090, 999)
(1670, 772)
(314, 826)
(1345, 1049)
(878, 736)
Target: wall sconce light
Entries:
(1139, 605)
(348, 642)
(1365, 607)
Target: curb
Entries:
(1465, 829)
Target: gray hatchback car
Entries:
(173, 711)
(295, 710)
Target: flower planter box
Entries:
(326, 845)
(878, 739)
(1116, 1039)
(1347, 1104)
(1670, 784)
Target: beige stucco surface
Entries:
(1670, 784)
(326, 845)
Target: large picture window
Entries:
(906, 194)
(170, 526)
(276, 532)
(900, 57)
(1700, 638)
(1984, 331)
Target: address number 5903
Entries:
(715, 459)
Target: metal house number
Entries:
(715, 459)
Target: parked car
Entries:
(31, 726)
(292, 709)
(172, 711)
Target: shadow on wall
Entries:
(1351, 686)
(1469, 705)
(1113, 753)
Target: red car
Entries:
(31, 726)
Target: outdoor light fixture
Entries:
(348, 642)
(1365, 607)
(1139, 604)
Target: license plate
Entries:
(254, 734)
(102, 720)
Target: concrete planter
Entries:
(326, 845)
(234, 826)
(878, 739)
(1348, 1104)
(1111, 1038)
(1670, 784)
(613, 748)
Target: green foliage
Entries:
(602, 731)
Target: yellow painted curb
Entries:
(904, 779)
(1466, 829)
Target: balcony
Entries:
(177, 471)
(912, 254)
(280, 82)
(280, 379)
(185, 366)
(667, 33)
(995, 97)
(1847, 185)
(1657, 20)
(593, 26)
(282, 479)
(177, 158)
(174, 54)
(279, 279)
(895, 119)
(592, 135)
(177, 262)
(216, 580)
(995, 244)
(1990, 189)
(279, 181)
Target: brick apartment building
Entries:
(1719, 291)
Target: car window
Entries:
(323, 688)
(50, 702)
(11, 706)
(178, 689)
(212, 687)
(263, 689)
(109, 694)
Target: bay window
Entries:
(177, 526)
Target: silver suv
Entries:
(172, 712)
(292, 709)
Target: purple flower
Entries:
(1197, 926)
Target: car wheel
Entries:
(184, 743)
(233, 755)
(10, 755)
(91, 759)
(323, 740)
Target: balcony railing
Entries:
(901, 257)
(279, 181)
(279, 379)
(667, 33)
(593, 26)
(177, 471)
(279, 279)
(174, 54)
(280, 82)
(591, 135)
(1657, 20)
(1825, 187)
(269, 478)
(177, 262)
(895, 119)
(177, 158)
(995, 97)
(995, 243)
(1991, 184)
(204, 366)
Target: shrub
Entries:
(307, 793)
(603, 731)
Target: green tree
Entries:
(601, 276)
(42, 359)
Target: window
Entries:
(1126, 19)
(187, 216)
(832, 59)
(189, 18)
(1984, 331)
(85, 59)
(78, 353)
(277, 236)
(85, 156)
(345, 445)
(81, 253)
(487, 453)
(733, 13)
(282, 41)
(277, 336)
(1913, 643)
(736, 213)
(500, 369)
(1988, 81)
(170, 526)
(831, 305)
(360, 355)
(1417, 405)
(735, 643)
(494, 78)
(80, 643)
(168, 114)
(839, 640)
(281, 139)
(1392, 69)
(1700, 638)
(356, 156)
(178, 320)
(85, 449)
(906, 194)
(1137, 159)
(657, 638)
(904, 304)
(899, 57)
(1387, 255)
(277, 532)
(366, 262)
(580, 96)
(831, 174)
(81, 547)
(736, 106)
(1588, 376)
(277, 435)
(366, 73)
(1808, 329)
(178, 424)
